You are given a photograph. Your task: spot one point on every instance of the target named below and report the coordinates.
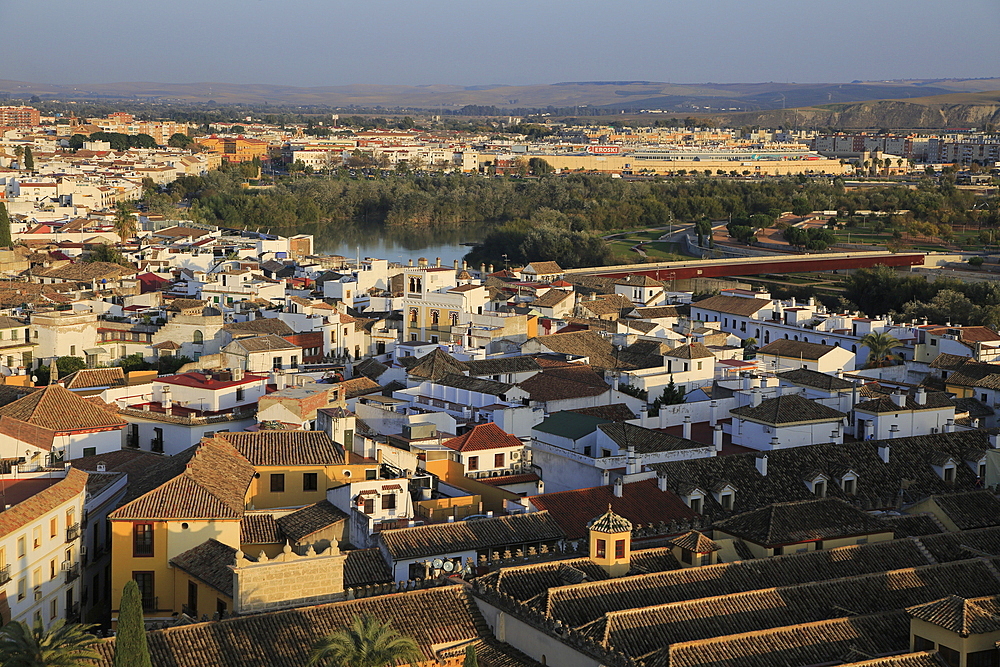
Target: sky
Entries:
(518, 42)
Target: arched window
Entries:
(453, 318)
(767, 337)
(435, 317)
(199, 337)
(413, 315)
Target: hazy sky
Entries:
(470, 42)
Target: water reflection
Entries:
(395, 244)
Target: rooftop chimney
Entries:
(165, 397)
(994, 440)
(921, 396)
(717, 437)
(455, 264)
(712, 408)
(618, 487)
(949, 426)
(775, 443)
(755, 397)
(437, 262)
(687, 427)
(899, 398)
(632, 462)
(661, 481)
(893, 430)
(883, 453)
(762, 465)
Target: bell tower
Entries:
(611, 543)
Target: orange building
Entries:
(235, 149)
(19, 116)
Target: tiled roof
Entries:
(213, 485)
(732, 305)
(638, 280)
(787, 409)
(878, 484)
(554, 384)
(585, 344)
(948, 362)
(359, 387)
(504, 480)
(211, 563)
(478, 385)
(641, 502)
(610, 523)
(655, 312)
(543, 268)
(59, 409)
(607, 304)
(484, 367)
(801, 521)
(260, 528)
(797, 349)
(285, 448)
(364, 567)
(616, 412)
(306, 521)
(86, 271)
(33, 508)
(959, 615)
(975, 509)
(95, 377)
(484, 534)
(696, 542)
(569, 424)
(370, 368)
(808, 378)
(434, 617)
(263, 325)
(645, 440)
(551, 298)
(913, 525)
(436, 364)
(27, 433)
(264, 343)
(935, 400)
(483, 436)
(689, 351)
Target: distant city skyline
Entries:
(309, 43)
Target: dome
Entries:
(609, 522)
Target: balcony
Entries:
(72, 571)
(4, 574)
(73, 532)
(193, 613)
(150, 602)
(156, 444)
(73, 613)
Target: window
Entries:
(310, 481)
(52, 569)
(473, 463)
(605, 453)
(950, 656)
(371, 473)
(498, 460)
(949, 474)
(982, 659)
(90, 451)
(933, 342)
(52, 608)
(220, 607)
(686, 556)
(819, 489)
(294, 362)
(36, 537)
(819, 545)
(20, 547)
(53, 526)
(619, 548)
(849, 487)
(198, 337)
(586, 450)
(726, 500)
(921, 644)
(277, 482)
(142, 539)
(146, 589)
(602, 548)
(276, 363)
(369, 506)
(192, 602)
(240, 394)
(695, 505)
(389, 501)
(699, 365)
(778, 551)
(22, 588)
(72, 350)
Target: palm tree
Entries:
(62, 645)
(125, 224)
(366, 642)
(880, 347)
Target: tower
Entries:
(611, 543)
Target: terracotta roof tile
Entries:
(306, 521)
(797, 349)
(364, 567)
(801, 521)
(211, 562)
(483, 436)
(787, 409)
(959, 615)
(260, 528)
(486, 534)
(280, 448)
(31, 509)
(733, 305)
(59, 409)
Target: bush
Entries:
(976, 261)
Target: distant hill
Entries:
(910, 103)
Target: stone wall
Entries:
(287, 581)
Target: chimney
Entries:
(614, 383)
(411, 262)
(455, 264)
(949, 426)
(762, 465)
(754, 397)
(422, 262)
(899, 398)
(921, 396)
(712, 408)
(491, 268)
(661, 481)
(482, 270)
(994, 440)
(746, 382)
(465, 265)
(775, 443)
(765, 382)
(840, 373)
(437, 262)
(893, 430)
(687, 427)
(165, 397)
(632, 462)
(717, 437)
(618, 487)
(883, 453)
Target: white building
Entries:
(787, 420)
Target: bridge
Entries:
(751, 266)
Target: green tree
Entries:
(5, 237)
(105, 252)
(131, 647)
(62, 645)
(470, 657)
(366, 642)
(29, 159)
(134, 362)
(125, 223)
(974, 262)
(880, 346)
(19, 154)
(539, 167)
(672, 395)
(64, 366)
(179, 140)
(749, 349)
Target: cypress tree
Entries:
(5, 238)
(29, 159)
(131, 649)
(470, 657)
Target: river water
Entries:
(396, 245)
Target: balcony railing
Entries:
(73, 612)
(73, 532)
(72, 571)
(157, 445)
(4, 574)
(193, 613)
(150, 603)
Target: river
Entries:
(395, 245)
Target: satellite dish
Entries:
(449, 566)
(437, 563)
